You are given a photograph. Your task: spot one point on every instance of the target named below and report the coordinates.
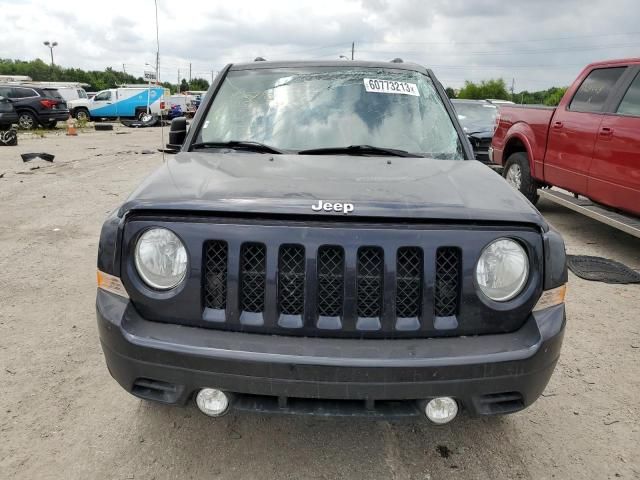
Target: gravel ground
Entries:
(62, 416)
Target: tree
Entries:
(554, 97)
(450, 92)
(184, 86)
(43, 72)
(198, 84)
(493, 88)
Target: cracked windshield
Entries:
(295, 109)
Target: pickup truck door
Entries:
(574, 129)
(102, 105)
(614, 177)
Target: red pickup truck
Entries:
(589, 144)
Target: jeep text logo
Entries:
(332, 207)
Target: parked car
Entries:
(478, 119)
(72, 92)
(129, 102)
(323, 242)
(588, 145)
(8, 115)
(36, 106)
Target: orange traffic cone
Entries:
(71, 127)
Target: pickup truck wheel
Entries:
(518, 175)
(81, 114)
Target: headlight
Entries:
(502, 270)
(161, 259)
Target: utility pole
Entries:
(178, 80)
(513, 85)
(353, 47)
(189, 72)
(124, 70)
(211, 77)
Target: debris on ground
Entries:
(103, 126)
(27, 157)
(9, 137)
(148, 121)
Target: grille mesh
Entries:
(253, 277)
(216, 275)
(369, 277)
(291, 279)
(330, 281)
(409, 282)
(447, 281)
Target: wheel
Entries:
(518, 174)
(81, 114)
(143, 116)
(27, 120)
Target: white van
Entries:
(129, 102)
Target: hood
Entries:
(391, 187)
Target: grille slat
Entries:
(330, 281)
(447, 281)
(369, 281)
(409, 282)
(253, 277)
(291, 279)
(216, 260)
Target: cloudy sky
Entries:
(539, 43)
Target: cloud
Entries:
(538, 44)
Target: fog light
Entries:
(441, 410)
(212, 402)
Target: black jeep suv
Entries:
(36, 106)
(321, 244)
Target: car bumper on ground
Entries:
(488, 374)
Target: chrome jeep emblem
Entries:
(333, 207)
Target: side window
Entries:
(630, 104)
(23, 93)
(103, 96)
(595, 89)
(5, 92)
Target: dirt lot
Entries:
(62, 416)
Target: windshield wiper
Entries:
(359, 150)
(238, 145)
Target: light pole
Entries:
(50, 45)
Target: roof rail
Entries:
(397, 60)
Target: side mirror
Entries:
(177, 133)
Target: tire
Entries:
(27, 120)
(142, 115)
(81, 114)
(518, 174)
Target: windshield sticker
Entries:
(374, 85)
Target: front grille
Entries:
(369, 282)
(330, 288)
(330, 281)
(291, 279)
(409, 282)
(253, 277)
(447, 281)
(215, 275)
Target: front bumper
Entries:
(486, 374)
